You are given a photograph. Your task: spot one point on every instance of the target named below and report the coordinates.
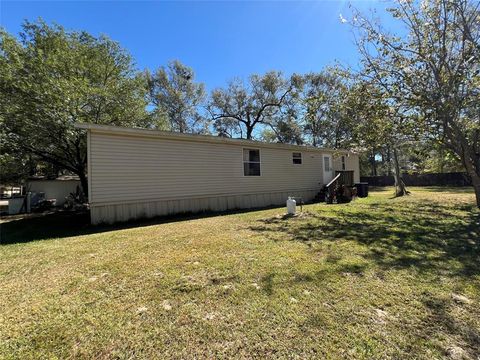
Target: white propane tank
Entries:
(291, 206)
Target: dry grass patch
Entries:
(377, 278)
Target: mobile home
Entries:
(136, 173)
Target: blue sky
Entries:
(219, 40)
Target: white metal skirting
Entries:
(111, 213)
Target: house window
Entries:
(297, 158)
(326, 163)
(343, 163)
(251, 162)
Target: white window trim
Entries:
(330, 159)
(259, 162)
(301, 157)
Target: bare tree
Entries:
(240, 108)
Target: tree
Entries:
(431, 72)
(51, 79)
(324, 96)
(15, 166)
(240, 109)
(286, 129)
(347, 111)
(176, 96)
(379, 125)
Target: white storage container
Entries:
(291, 206)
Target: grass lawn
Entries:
(376, 278)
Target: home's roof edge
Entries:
(200, 138)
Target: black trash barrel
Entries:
(362, 189)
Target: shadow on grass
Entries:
(441, 319)
(427, 236)
(64, 224)
(446, 188)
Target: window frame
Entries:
(329, 163)
(299, 158)
(344, 163)
(253, 162)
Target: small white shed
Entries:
(135, 173)
(57, 189)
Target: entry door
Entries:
(327, 168)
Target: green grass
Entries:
(376, 278)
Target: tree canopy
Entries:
(432, 74)
(414, 94)
(51, 79)
(177, 98)
(241, 108)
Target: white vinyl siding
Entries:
(133, 168)
(351, 163)
(136, 173)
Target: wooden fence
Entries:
(436, 179)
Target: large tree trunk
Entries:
(468, 154)
(249, 132)
(476, 186)
(473, 171)
(83, 183)
(373, 163)
(400, 188)
(442, 160)
(389, 161)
